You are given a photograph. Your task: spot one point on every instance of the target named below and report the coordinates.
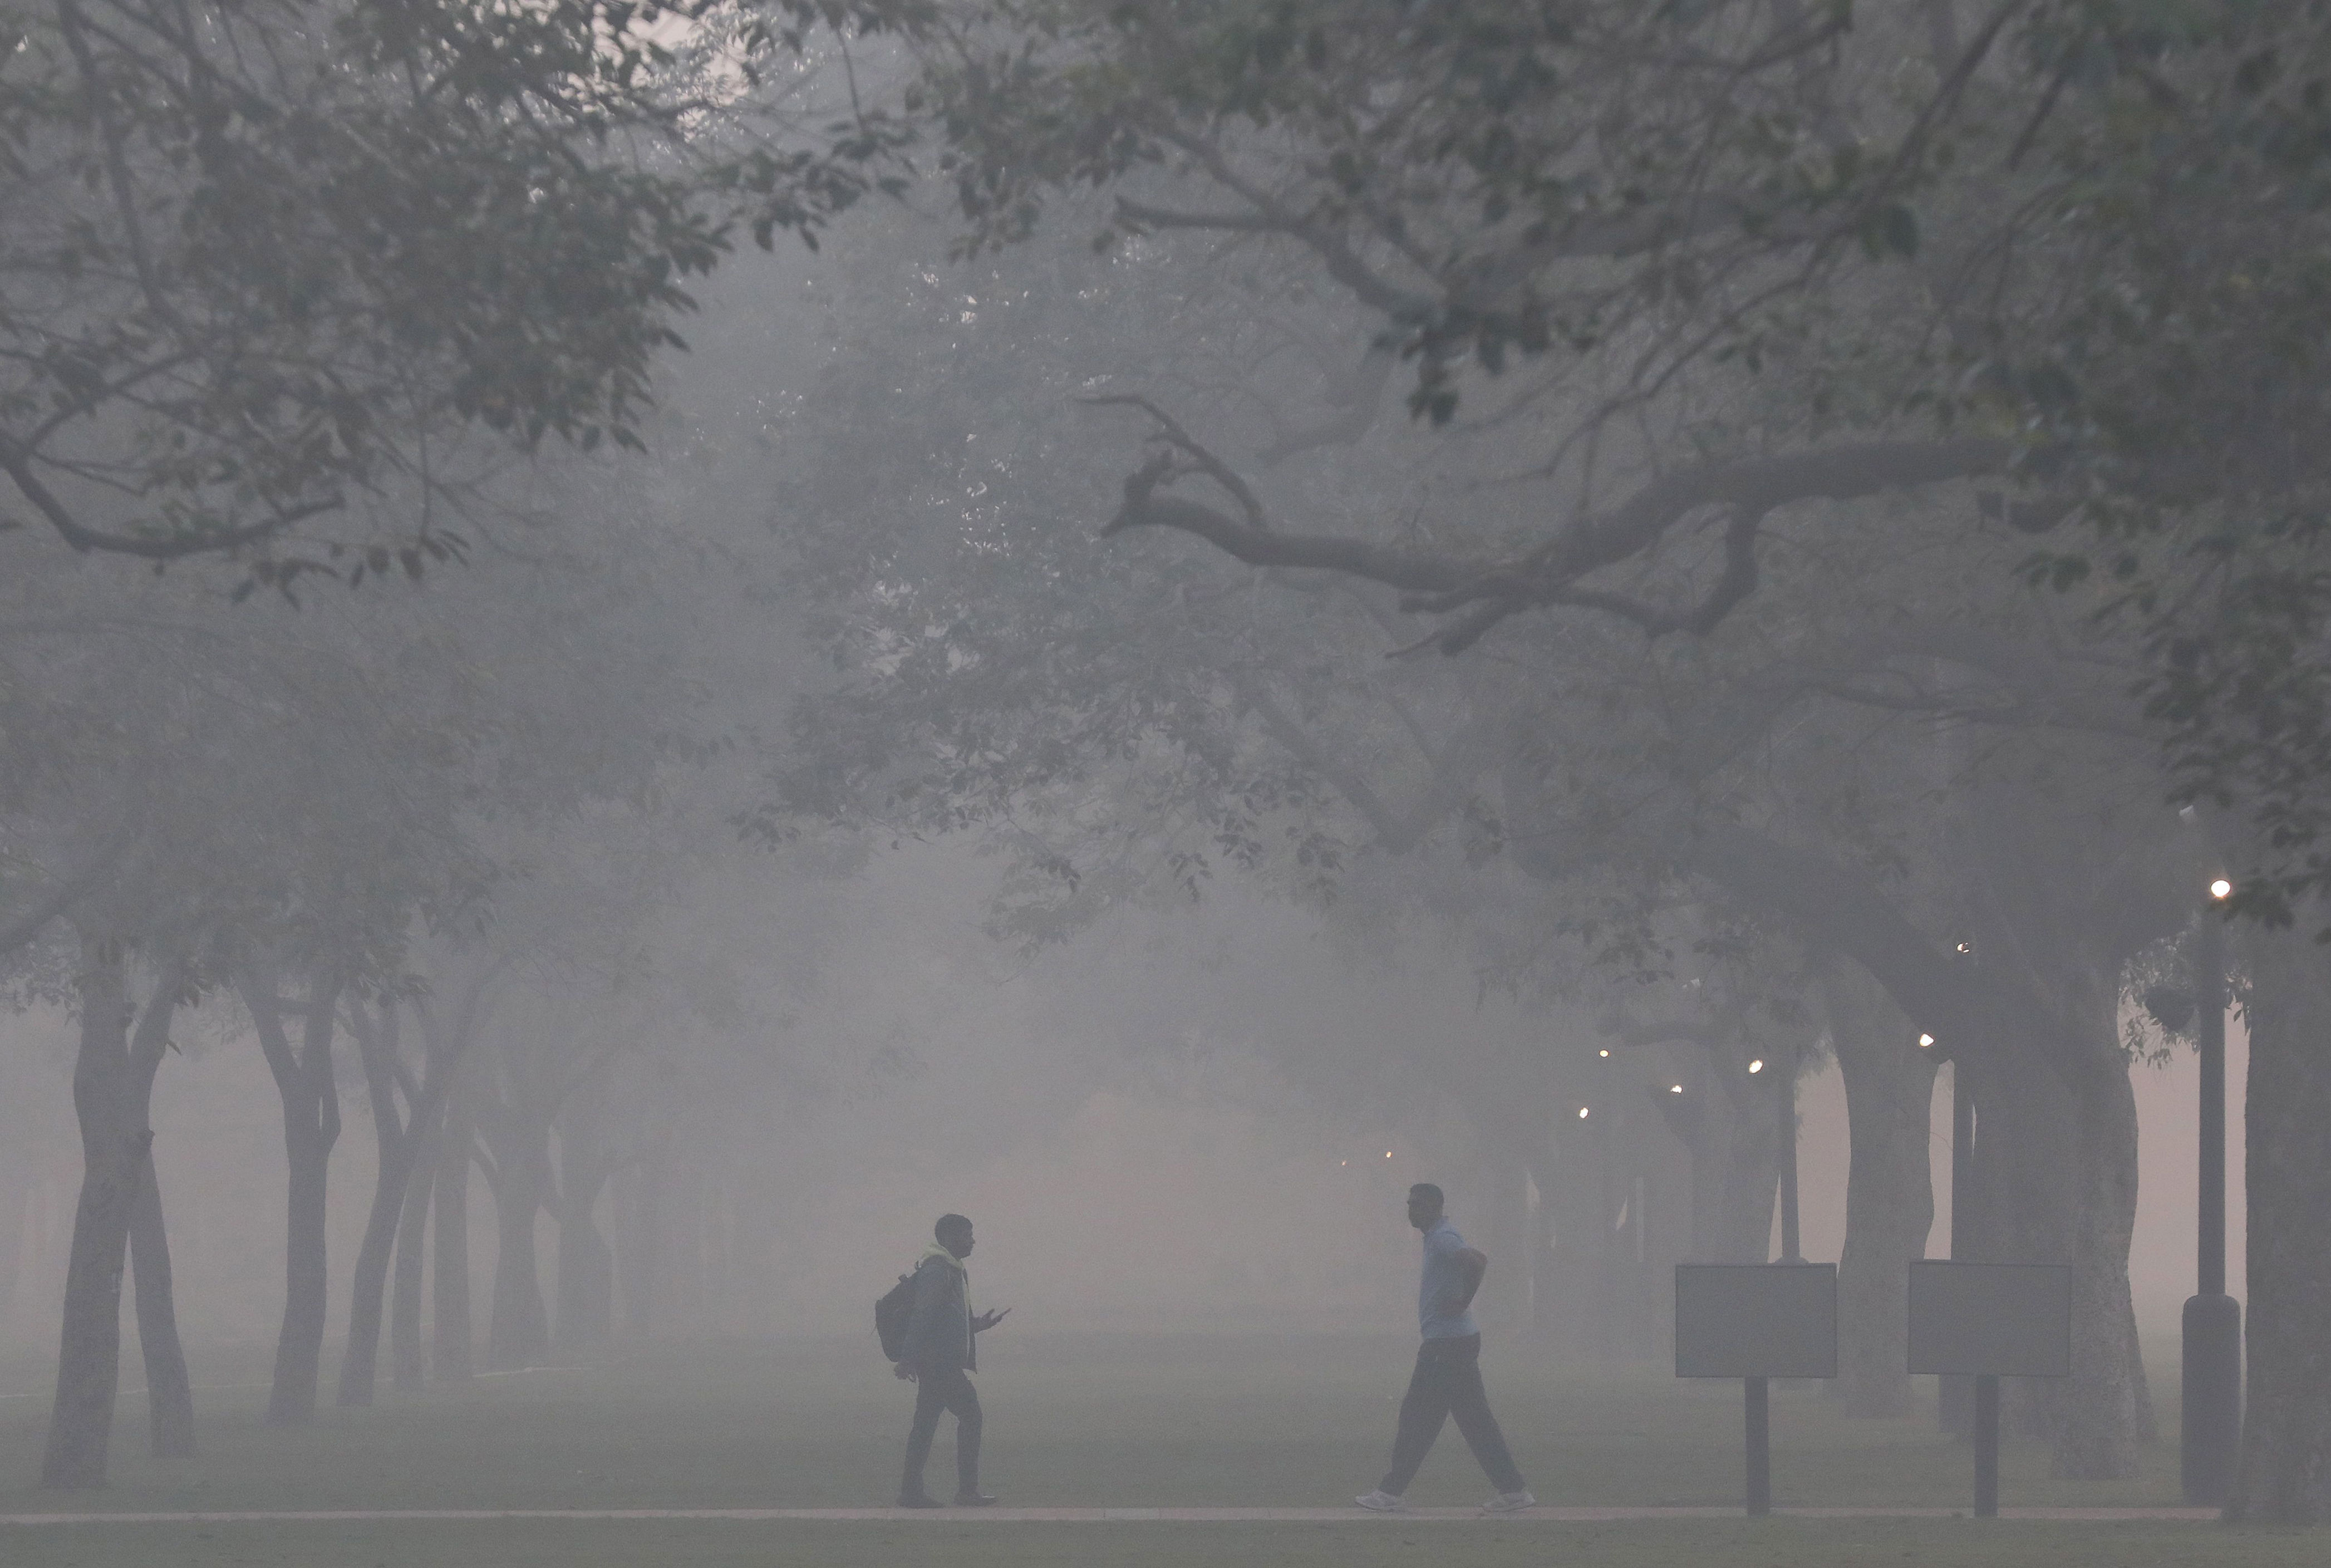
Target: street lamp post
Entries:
(1791, 1251)
(2209, 1426)
(1957, 1392)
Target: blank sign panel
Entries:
(2009, 1319)
(1756, 1320)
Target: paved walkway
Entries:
(1345, 1515)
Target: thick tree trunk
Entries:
(407, 1370)
(2284, 1473)
(368, 1290)
(113, 1162)
(1732, 1132)
(15, 1181)
(588, 1152)
(2069, 1154)
(451, 1357)
(639, 1214)
(169, 1391)
(311, 1125)
(1890, 1199)
(113, 1081)
(586, 1276)
(398, 1143)
(300, 1345)
(517, 1334)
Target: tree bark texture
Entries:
(2285, 1472)
(1890, 1199)
(311, 1125)
(169, 1390)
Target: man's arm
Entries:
(1471, 1263)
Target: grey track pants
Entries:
(1447, 1383)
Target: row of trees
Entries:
(1856, 464)
(1856, 488)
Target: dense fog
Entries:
(644, 646)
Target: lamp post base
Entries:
(2210, 1430)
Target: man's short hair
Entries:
(949, 1222)
(1428, 1192)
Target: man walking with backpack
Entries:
(937, 1352)
(1448, 1377)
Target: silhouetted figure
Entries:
(1448, 1377)
(939, 1353)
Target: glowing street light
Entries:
(1757, 1065)
(1581, 1112)
(1675, 1088)
(2221, 889)
(1925, 1041)
(1604, 1051)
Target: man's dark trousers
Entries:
(1447, 1382)
(935, 1392)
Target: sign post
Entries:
(1756, 1322)
(1988, 1321)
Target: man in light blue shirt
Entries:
(1448, 1377)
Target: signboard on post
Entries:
(1989, 1321)
(1756, 1322)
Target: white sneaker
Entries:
(1380, 1501)
(1508, 1503)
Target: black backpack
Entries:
(892, 1314)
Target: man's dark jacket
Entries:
(939, 1335)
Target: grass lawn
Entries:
(1071, 1419)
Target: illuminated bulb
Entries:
(1757, 1065)
(1387, 1154)
(1343, 1161)
(2220, 888)
(1604, 1051)
(1581, 1112)
(1925, 1041)
(1962, 947)
(1675, 1088)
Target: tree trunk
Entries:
(518, 1332)
(2068, 1143)
(169, 1391)
(406, 1371)
(369, 1287)
(311, 1125)
(397, 1142)
(451, 1357)
(637, 1238)
(113, 1083)
(113, 1160)
(586, 1274)
(2285, 1473)
(589, 1149)
(1889, 1199)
